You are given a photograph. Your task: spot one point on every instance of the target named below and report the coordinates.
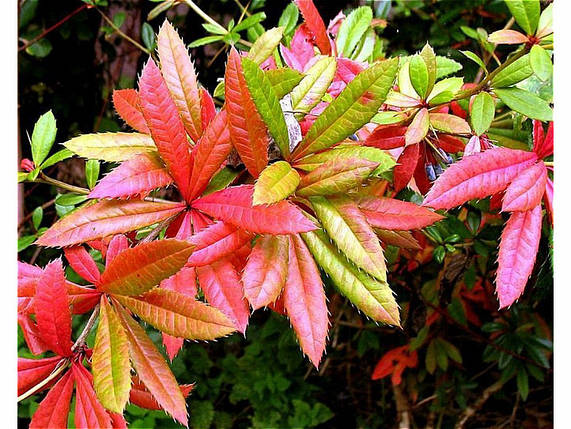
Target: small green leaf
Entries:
(451, 350)
(483, 112)
(476, 59)
(283, 80)
(365, 47)
(276, 183)
(43, 137)
(522, 383)
(119, 19)
(446, 66)
(540, 62)
(430, 360)
(419, 75)
(57, 157)
(250, 21)
(205, 41)
(544, 27)
(70, 199)
(25, 242)
(352, 29)
(288, 19)
(526, 13)
(22, 176)
(148, 36)
(429, 58)
(221, 179)
(526, 103)
(37, 216)
(313, 86)
(214, 29)
(91, 172)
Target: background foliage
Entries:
(465, 350)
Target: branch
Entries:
(471, 410)
(123, 35)
(90, 323)
(64, 363)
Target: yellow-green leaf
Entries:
(483, 112)
(517, 71)
(110, 362)
(314, 85)
(283, 80)
(265, 45)
(526, 103)
(111, 147)
(526, 13)
(275, 183)
(419, 75)
(540, 62)
(418, 128)
(449, 123)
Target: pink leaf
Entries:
(315, 25)
(135, 177)
(406, 163)
(82, 263)
(208, 109)
(478, 176)
(542, 145)
(518, 249)
(391, 214)
(222, 288)
(118, 244)
(53, 410)
(166, 126)
(52, 309)
(266, 270)
(33, 371)
(527, 189)
(234, 205)
(304, 300)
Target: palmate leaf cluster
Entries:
(327, 132)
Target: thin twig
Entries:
(156, 231)
(58, 370)
(29, 215)
(90, 323)
(52, 28)
(123, 35)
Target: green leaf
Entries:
(522, 380)
(25, 242)
(40, 49)
(365, 47)
(450, 85)
(388, 117)
(419, 75)
(288, 19)
(348, 228)
(43, 137)
(446, 66)
(314, 85)
(37, 216)
(119, 19)
(214, 29)
(353, 108)
(267, 103)
(22, 176)
(544, 27)
(483, 112)
(283, 80)
(517, 71)
(221, 179)
(205, 41)
(451, 350)
(372, 297)
(540, 62)
(250, 21)
(526, 13)
(276, 182)
(352, 29)
(429, 58)
(57, 157)
(148, 36)
(476, 59)
(265, 45)
(430, 360)
(526, 103)
(91, 172)
(70, 199)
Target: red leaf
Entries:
(234, 205)
(82, 263)
(450, 144)
(304, 300)
(527, 189)
(141, 397)
(209, 153)
(542, 145)
(548, 199)
(222, 288)
(387, 213)
(185, 228)
(404, 169)
(199, 221)
(387, 137)
(478, 176)
(166, 126)
(208, 109)
(266, 270)
(300, 51)
(183, 282)
(518, 250)
(53, 410)
(248, 131)
(31, 334)
(126, 102)
(394, 363)
(33, 371)
(52, 309)
(135, 177)
(216, 241)
(89, 413)
(420, 178)
(315, 25)
(118, 244)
